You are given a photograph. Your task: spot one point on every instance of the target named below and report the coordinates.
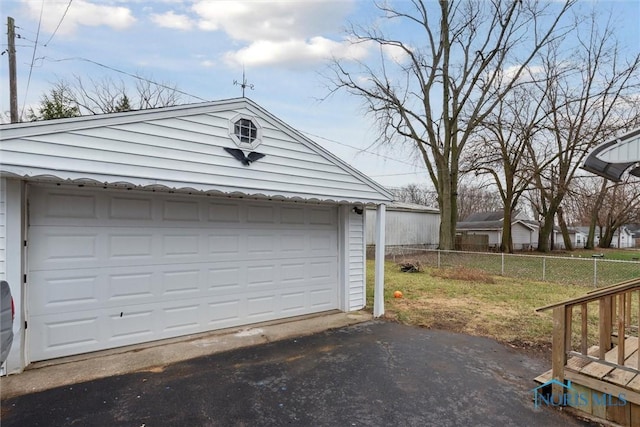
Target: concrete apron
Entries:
(156, 355)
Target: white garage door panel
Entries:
(123, 269)
(70, 247)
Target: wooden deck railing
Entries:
(614, 325)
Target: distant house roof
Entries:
(612, 158)
(582, 229)
(634, 229)
(484, 216)
(629, 228)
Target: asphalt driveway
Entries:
(372, 374)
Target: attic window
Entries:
(245, 132)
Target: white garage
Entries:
(140, 226)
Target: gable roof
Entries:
(484, 216)
(181, 148)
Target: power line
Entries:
(33, 58)
(108, 67)
(360, 149)
(59, 23)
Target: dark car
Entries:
(7, 314)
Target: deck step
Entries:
(543, 378)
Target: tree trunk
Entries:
(507, 240)
(447, 239)
(544, 236)
(568, 245)
(590, 243)
(605, 241)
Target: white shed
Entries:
(126, 228)
(407, 225)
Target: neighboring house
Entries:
(407, 225)
(577, 236)
(524, 232)
(622, 238)
(583, 233)
(133, 227)
(634, 229)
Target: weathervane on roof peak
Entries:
(244, 83)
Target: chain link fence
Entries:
(595, 271)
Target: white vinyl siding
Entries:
(184, 151)
(112, 268)
(356, 262)
(523, 237)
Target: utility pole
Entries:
(13, 85)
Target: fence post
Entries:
(438, 258)
(544, 268)
(595, 272)
(502, 269)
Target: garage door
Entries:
(111, 268)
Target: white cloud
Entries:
(271, 20)
(273, 32)
(294, 52)
(172, 20)
(528, 73)
(80, 12)
(395, 53)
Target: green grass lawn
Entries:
(470, 301)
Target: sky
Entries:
(203, 46)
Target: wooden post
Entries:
(614, 314)
(558, 350)
(605, 326)
(622, 306)
(584, 347)
(568, 321)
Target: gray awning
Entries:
(612, 158)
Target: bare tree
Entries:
(435, 97)
(105, 95)
(583, 202)
(471, 198)
(586, 86)
(621, 206)
(476, 198)
(153, 95)
(500, 150)
(418, 194)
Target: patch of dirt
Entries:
(540, 350)
(466, 316)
